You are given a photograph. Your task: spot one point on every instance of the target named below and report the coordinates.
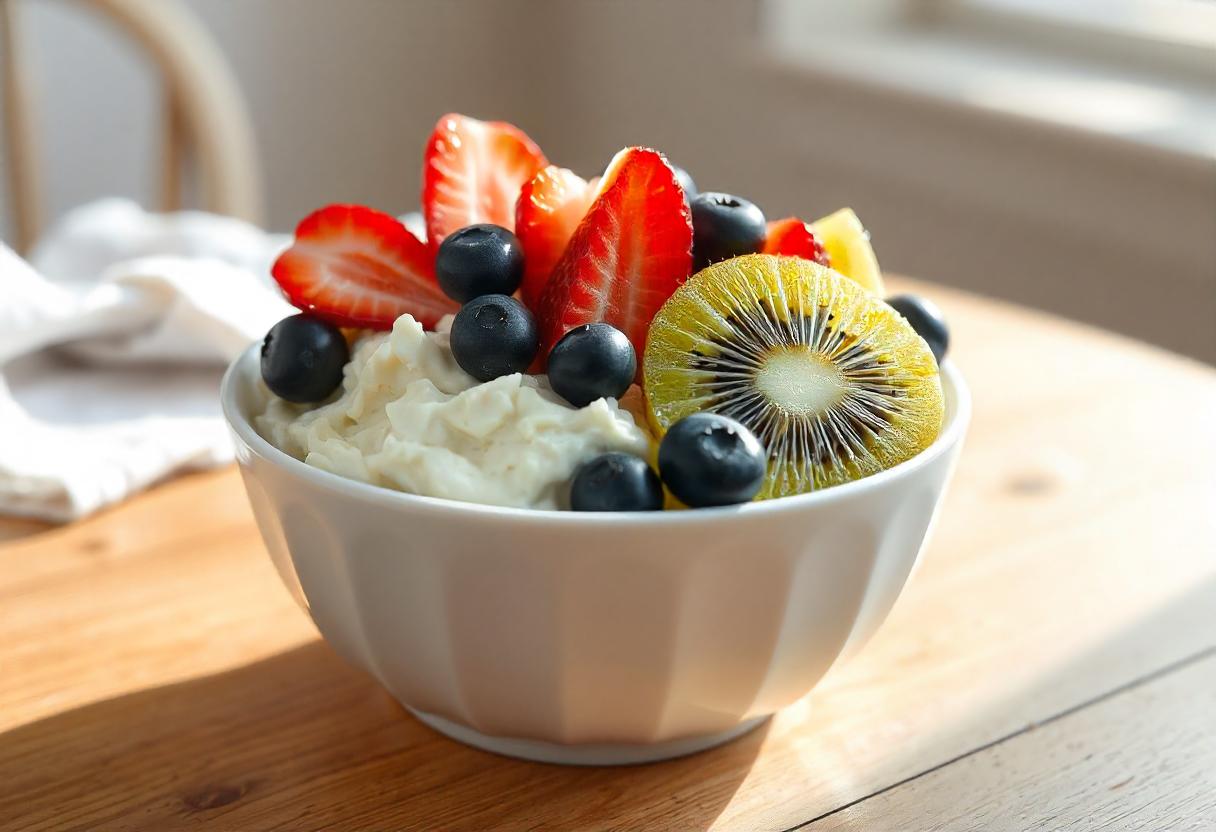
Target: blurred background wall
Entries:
(996, 145)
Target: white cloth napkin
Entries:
(113, 338)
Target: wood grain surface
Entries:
(1132, 761)
(1050, 666)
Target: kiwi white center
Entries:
(800, 380)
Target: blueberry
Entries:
(494, 335)
(927, 319)
(725, 226)
(616, 482)
(710, 460)
(479, 260)
(592, 361)
(303, 357)
(686, 182)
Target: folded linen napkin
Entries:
(113, 338)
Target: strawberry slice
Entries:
(550, 207)
(472, 173)
(359, 267)
(793, 237)
(627, 256)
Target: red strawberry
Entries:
(549, 209)
(629, 253)
(472, 173)
(791, 236)
(359, 267)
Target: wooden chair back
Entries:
(205, 119)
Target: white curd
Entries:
(409, 418)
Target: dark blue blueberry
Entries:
(686, 183)
(479, 260)
(303, 357)
(616, 482)
(711, 460)
(725, 226)
(592, 361)
(494, 335)
(927, 319)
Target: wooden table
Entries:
(1051, 666)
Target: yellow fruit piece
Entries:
(833, 382)
(848, 246)
(635, 402)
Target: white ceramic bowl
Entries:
(590, 638)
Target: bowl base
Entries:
(591, 754)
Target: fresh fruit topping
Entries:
(794, 238)
(358, 267)
(927, 319)
(492, 336)
(616, 482)
(725, 226)
(831, 380)
(472, 173)
(633, 401)
(848, 246)
(550, 207)
(707, 459)
(592, 361)
(687, 185)
(629, 253)
(303, 357)
(479, 260)
(414, 223)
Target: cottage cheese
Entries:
(409, 418)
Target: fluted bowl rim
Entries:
(243, 372)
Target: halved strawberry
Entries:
(793, 237)
(356, 266)
(627, 256)
(472, 173)
(550, 207)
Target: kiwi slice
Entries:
(835, 383)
